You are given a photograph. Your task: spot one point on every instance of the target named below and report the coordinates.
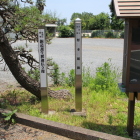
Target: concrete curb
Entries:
(72, 132)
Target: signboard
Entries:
(42, 57)
(43, 69)
(78, 47)
(78, 65)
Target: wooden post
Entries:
(131, 109)
(138, 96)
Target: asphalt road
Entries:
(94, 53)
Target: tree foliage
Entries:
(92, 22)
(65, 31)
(116, 24)
(100, 22)
(61, 22)
(24, 22)
(40, 5)
(24, 25)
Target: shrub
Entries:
(65, 31)
(111, 34)
(55, 74)
(96, 33)
(53, 69)
(70, 80)
(106, 77)
(84, 35)
(34, 73)
(86, 77)
(122, 34)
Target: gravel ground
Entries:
(94, 53)
(22, 132)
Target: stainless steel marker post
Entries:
(78, 65)
(43, 69)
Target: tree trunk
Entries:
(14, 65)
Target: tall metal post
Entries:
(43, 69)
(78, 66)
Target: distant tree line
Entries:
(102, 21)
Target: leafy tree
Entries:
(116, 24)
(99, 22)
(61, 22)
(86, 18)
(92, 22)
(103, 21)
(75, 15)
(65, 31)
(40, 5)
(24, 22)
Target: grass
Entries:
(105, 112)
(105, 105)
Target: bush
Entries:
(55, 74)
(106, 77)
(35, 74)
(106, 34)
(53, 69)
(97, 33)
(70, 80)
(122, 34)
(111, 34)
(65, 31)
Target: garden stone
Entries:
(60, 94)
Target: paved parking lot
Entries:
(94, 53)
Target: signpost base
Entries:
(78, 93)
(44, 100)
(82, 113)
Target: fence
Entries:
(108, 33)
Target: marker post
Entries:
(78, 66)
(43, 69)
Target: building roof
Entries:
(127, 8)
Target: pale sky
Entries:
(65, 8)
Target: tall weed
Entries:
(70, 80)
(86, 76)
(106, 77)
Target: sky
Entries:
(65, 8)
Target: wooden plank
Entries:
(130, 8)
(130, 11)
(138, 96)
(129, 4)
(130, 119)
(127, 0)
(131, 96)
(129, 15)
(116, 7)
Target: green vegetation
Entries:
(105, 105)
(65, 31)
(107, 34)
(9, 116)
(91, 21)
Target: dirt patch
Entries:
(22, 132)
